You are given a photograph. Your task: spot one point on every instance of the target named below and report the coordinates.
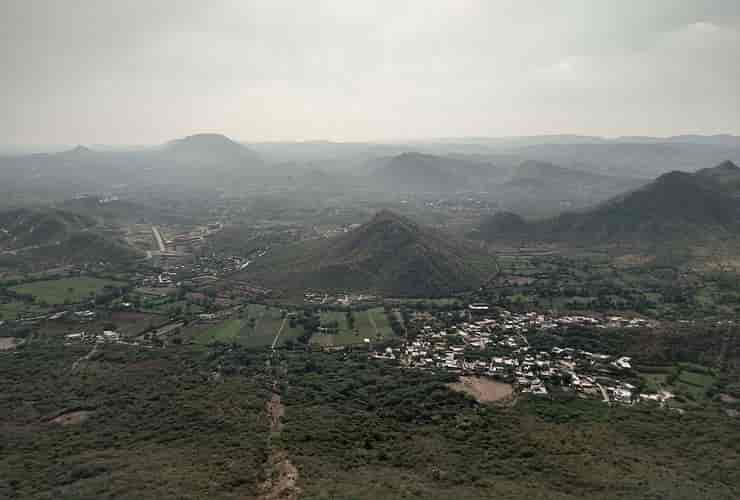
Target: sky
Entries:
(143, 72)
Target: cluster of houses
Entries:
(518, 322)
(339, 299)
(85, 337)
(499, 348)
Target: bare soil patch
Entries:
(275, 411)
(484, 390)
(632, 259)
(726, 398)
(8, 343)
(282, 475)
(72, 417)
(282, 481)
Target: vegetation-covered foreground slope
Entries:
(184, 422)
(390, 254)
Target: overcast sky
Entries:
(135, 72)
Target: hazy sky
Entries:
(133, 72)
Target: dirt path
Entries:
(282, 475)
(277, 336)
(84, 358)
(372, 321)
(257, 322)
(8, 343)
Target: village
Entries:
(499, 348)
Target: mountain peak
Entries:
(212, 149)
(203, 140)
(78, 150)
(389, 254)
(727, 165)
(725, 172)
(386, 215)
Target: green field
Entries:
(163, 306)
(689, 379)
(256, 326)
(228, 331)
(695, 383)
(11, 309)
(371, 324)
(654, 381)
(67, 289)
(266, 325)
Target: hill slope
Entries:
(677, 205)
(726, 173)
(424, 173)
(542, 183)
(209, 149)
(47, 237)
(389, 254)
(22, 228)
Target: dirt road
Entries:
(84, 358)
(282, 475)
(277, 336)
(372, 321)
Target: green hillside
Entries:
(676, 206)
(390, 255)
(44, 237)
(23, 228)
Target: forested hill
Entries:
(676, 206)
(389, 254)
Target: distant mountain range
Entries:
(195, 162)
(390, 255)
(501, 168)
(676, 206)
(413, 172)
(543, 184)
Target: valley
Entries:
(417, 343)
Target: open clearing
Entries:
(7, 343)
(72, 418)
(10, 310)
(256, 326)
(484, 390)
(67, 289)
(228, 331)
(369, 324)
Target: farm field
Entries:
(685, 378)
(163, 306)
(67, 289)
(343, 336)
(134, 323)
(228, 331)
(256, 327)
(267, 321)
(371, 324)
(694, 383)
(10, 310)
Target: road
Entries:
(158, 238)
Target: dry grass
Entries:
(484, 390)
